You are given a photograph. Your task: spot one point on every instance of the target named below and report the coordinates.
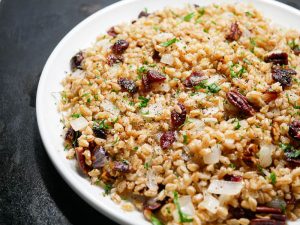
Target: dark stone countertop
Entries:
(31, 191)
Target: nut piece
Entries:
(265, 209)
(240, 101)
(280, 58)
(235, 32)
(283, 76)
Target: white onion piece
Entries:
(210, 110)
(186, 206)
(265, 154)
(151, 180)
(113, 71)
(225, 187)
(210, 120)
(153, 110)
(167, 59)
(78, 73)
(210, 203)
(104, 44)
(199, 96)
(79, 123)
(214, 79)
(110, 107)
(214, 156)
(165, 87)
(161, 37)
(198, 125)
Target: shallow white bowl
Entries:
(82, 36)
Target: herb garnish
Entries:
(155, 221)
(237, 74)
(185, 139)
(170, 42)
(188, 17)
(76, 115)
(273, 178)
(183, 217)
(143, 101)
(107, 189)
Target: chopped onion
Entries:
(209, 120)
(110, 107)
(210, 110)
(151, 180)
(167, 59)
(210, 203)
(153, 110)
(161, 37)
(78, 74)
(186, 207)
(165, 87)
(214, 79)
(113, 71)
(104, 44)
(199, 96)
(214, 156)
(265, 154)
(99, 158)
(79, 123)
(225, 187)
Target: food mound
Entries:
(190, 115)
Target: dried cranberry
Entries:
(119, 46)
(240, 101)
(235, 32)
(278, 217)
(70, 135)
(234, 178)
(112, 32)
(294, 129)
(155, 76)
(194, 79)
(167, 139)
(113, 59)
(264, 221)
(99, 157)
(76, 61)
(280, 58)
(177, 119)
(81, 160)
(122, 167)
(156, 56)
(283, 76)
(143, 14)
(128, 85)
(99, 132)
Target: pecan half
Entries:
(263, 221)
(278, 217)
(280, 58)
(235, 32)
(267, 210)
(283, 76)
(240, 101)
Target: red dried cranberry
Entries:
(112, 32)
(81, 160)
(280, 58)
(177, 119)
(120, 46)
(99, 132)
(143, 14)
(128, 85)
(194, 79)
(113, 59)
(155, 76)
(233, 178)
(239, 213)
(76, 61)
(235, 32)
(294, 130)
(167, 139)
(283, 76)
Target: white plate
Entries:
(82, 36)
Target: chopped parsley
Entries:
(201, 12)
(170, 42)
(142, 70)
(135, 148)
(249, 14)
(212, 88)
(293, 45)
(289, 150)
(143, 101)
(155, 221)
(231, 165)
(237, 126)
(156, 28)
(273, 178)
(183, 217)
(237, 74)
(185, 139)
(188, 17)
(146, 165)
(88, 100)
(101, 124)
(107, 189)
(261, 170)
(296, 106)
(205, 30)
(131, 103)
(76, 115)
(66, 147)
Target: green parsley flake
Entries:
(231, 165)
(237, 126)
(146, 165)
(213, 88)
(185, 139)
(183, 217)
(170, 42)
(107, 189)
(273, 178)
(237, 74)
(188, 17)
(249, 14)
(76, 115)
(143, 101)
(101, 124)
(155, 221)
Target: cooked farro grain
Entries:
(192, 115)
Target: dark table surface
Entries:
(31, 191)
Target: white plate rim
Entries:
(66, 175)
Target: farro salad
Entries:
(190, 115)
